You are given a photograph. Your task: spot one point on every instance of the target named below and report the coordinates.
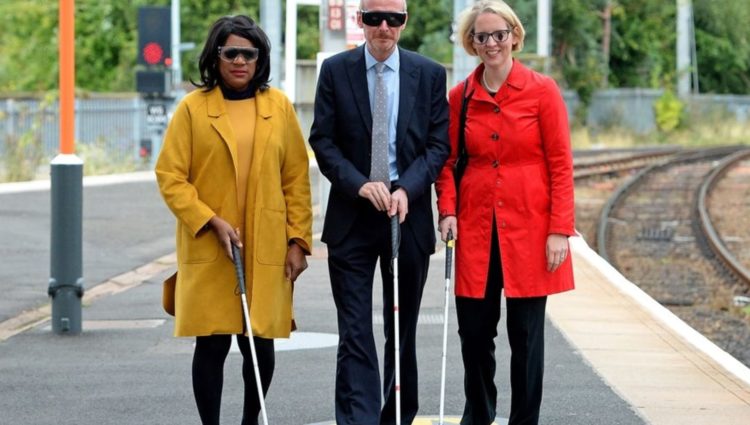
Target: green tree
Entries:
(577, 34)
(106, 40)
(723, 45)
(526, 11)
(28, 45)
(642, 52)
(428, 30)
(643, 44)
(106, 44)
(308, 42)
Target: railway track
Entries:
(599, 173)
(615, 161)
(651, 230)
(732, 204)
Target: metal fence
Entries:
(115, 124)
(633, 108)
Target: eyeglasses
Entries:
(392, 19)
(484, 37)
(230, 53)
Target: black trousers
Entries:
(477, 328)
(208, 375)
(352, 267)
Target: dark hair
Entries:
(242, 26)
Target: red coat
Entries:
(521, 170)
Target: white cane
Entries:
(448, 263)
(395, 242)
(238, 268)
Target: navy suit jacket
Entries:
(341, 138)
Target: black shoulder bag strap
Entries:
(463, 157)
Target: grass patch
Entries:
(98, 161)
(703, 133)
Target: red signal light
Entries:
(152, 53)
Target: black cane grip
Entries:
(238, 269)
(449, 242)
(395, 237)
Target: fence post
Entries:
(136, 133)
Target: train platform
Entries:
(664, 369)
(613, 355)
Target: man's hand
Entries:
(399, 204)
(377, 194)
(393, 203)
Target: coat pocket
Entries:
(271, 245)
(203, 248)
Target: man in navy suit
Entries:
(356, 228)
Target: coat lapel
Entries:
(217, 114)
(358, 79)
(408, 83)
(263, 129)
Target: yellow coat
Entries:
(196, 173)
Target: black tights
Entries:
(208, 375)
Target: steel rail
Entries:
(634, 182)
(585, 169)
(706, 223)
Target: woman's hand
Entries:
(557, 251)
(448, 223)
(225, 234)
(296, 262)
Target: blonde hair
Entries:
(498, 7)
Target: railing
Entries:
(114, 125)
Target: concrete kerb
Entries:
(702, 344)
(109, 179)
(128, 280)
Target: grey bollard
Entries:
(66, 259)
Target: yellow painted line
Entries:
(26, 320)
(129, 280)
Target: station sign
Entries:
(156, 114)
(336, 15)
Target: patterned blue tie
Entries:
(379, 158)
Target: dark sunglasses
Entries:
(484, 37)
(230, 53)
(392, 19)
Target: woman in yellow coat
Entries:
(234, 170)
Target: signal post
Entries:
(154, 78)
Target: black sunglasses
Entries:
(484, 37)
(392, 19)
(230, 53)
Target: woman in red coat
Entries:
(513, 212)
